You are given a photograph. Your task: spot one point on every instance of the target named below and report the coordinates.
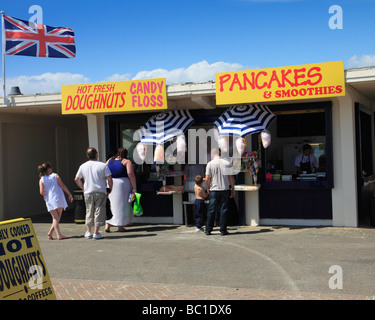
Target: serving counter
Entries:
(251, 200)
(303, 196)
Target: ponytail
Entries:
(42, 169)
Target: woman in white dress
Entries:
(51, 188)
(124, 183)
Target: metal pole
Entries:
(3, 36)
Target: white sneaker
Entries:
(198, 229)
(88, 235)
(97, 236)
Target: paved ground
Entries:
(168, 262)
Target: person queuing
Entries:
(124, 185)
(199, 205)
(218, 182)
(52, 190)
(95, 175)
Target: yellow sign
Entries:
(23, 271)
(284, 83)
(120, 96)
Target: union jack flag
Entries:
(37, 40)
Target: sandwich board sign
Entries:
(23, 271)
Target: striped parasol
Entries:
(244, 120)
(165, 126)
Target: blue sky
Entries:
(190, 40)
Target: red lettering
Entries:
(132, 88)
(146, 101)
(117, 95)
(110, 105)
(317, 75)
(246, 80)
(96, 101)
(153, 87)
(83, 89)
(284, 74)
(274, 78)
(310, 90)
(146, 87)
(139, 88)
(256, 80)
(134, 101)
(68, 100)
(74, 100)
(160, 86)
(89, 102)
(80, 89)
(223, 79)
(302, 92)
(153, 101)
(160, 100)
(103, 100)
(318, 90)
(235, 81)
(139, 102)
(123, 99)
(111, 87)
(285, 93)
(299, 76)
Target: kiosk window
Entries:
(128, 141)
(299, 125)
(296, 126)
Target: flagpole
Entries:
(3, 37)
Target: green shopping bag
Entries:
(137, 208)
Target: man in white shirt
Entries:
(218, 179)
(95, 175)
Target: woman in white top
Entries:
(51, 188)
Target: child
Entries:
(51, 188)
(199, 205)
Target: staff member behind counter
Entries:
(306, 161)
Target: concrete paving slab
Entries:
(250, 263)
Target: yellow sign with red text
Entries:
(307, 81)
(119, 96)
(23, 271)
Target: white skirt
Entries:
(122, 213)
(55, 200)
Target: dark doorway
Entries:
(364, 157)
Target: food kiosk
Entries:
(313, 105)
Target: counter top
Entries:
(297, 184)
(243, 187)
(170, 189)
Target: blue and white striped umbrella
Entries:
(244, 120)
(165, 126)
